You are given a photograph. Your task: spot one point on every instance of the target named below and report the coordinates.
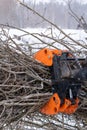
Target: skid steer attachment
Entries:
(67, 75)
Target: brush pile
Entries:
(24, 87)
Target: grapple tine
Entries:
(44, 56)
(72, 108)
(52, 106)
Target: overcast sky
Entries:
(81, 1)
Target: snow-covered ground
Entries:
(75, 34)
(31, 39)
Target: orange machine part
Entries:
(52, 106)
(45, 55)
(72, 108)
(66, 104)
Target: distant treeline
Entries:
(14, 14)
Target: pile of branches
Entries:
(25, 85)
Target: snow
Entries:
(75, 34)
(40, 37)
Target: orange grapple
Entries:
(65, 84)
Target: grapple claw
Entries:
(65, 105)
(52, 106)
(72, 108)
(45, 55)
(67, 75)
